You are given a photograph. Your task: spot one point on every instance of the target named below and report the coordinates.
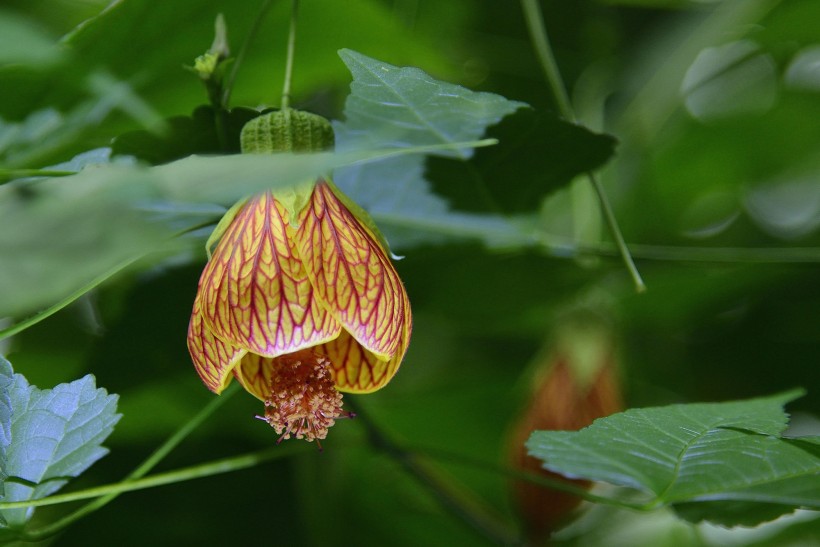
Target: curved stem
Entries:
(289, 60)
(131, 482)
(538, 33)
(545, 482)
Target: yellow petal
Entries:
(212, 357)
(356, 370)
(255, 291)
(255, 373)
(351, 274)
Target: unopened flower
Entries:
(575, 383)
(299, 300)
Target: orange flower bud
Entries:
(575, 384)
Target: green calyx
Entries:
(286, 130)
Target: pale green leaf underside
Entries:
(6, 379)
(56, 434)
(683, 453)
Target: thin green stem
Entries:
(294, 12)
(452, 497)
(209, 469)
(8, 175)
(540, 39)
(546, 482)
(243, 51)
(132, 482)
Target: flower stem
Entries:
(289, 60)
(451, 496)
(132, 482)
(538, 33)
(533, 478)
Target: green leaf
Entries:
(187, 135)
(6, 379)
(537, 154)
(392, 106)
(24, 42)
(717, 452)
(402, 107)
(56, 435)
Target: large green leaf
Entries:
(717, 452)
(537, 154)
(403, 107)
(393, 106)
(56, 435)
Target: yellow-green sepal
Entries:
(223, 224)
(294, 199)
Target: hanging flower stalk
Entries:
(299, 300)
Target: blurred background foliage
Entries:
(715, 181)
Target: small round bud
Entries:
(287, 130)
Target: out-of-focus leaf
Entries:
(24, 42)
(57, 434)
(537, 154)
(58, 234)
(730, 80)
(721, 453)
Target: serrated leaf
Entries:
(6, 379)
(392, 106)
(57, 434)
(698, 452)
(401, 107)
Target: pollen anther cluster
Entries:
(303, 401)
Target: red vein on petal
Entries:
(213, 358)
(351, 273)
(355, 369)
(254, 373)
(257, 293)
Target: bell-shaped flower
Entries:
(299, 300)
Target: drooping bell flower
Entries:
(299, 300)
(575, 382)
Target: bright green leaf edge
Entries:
(610, 450)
